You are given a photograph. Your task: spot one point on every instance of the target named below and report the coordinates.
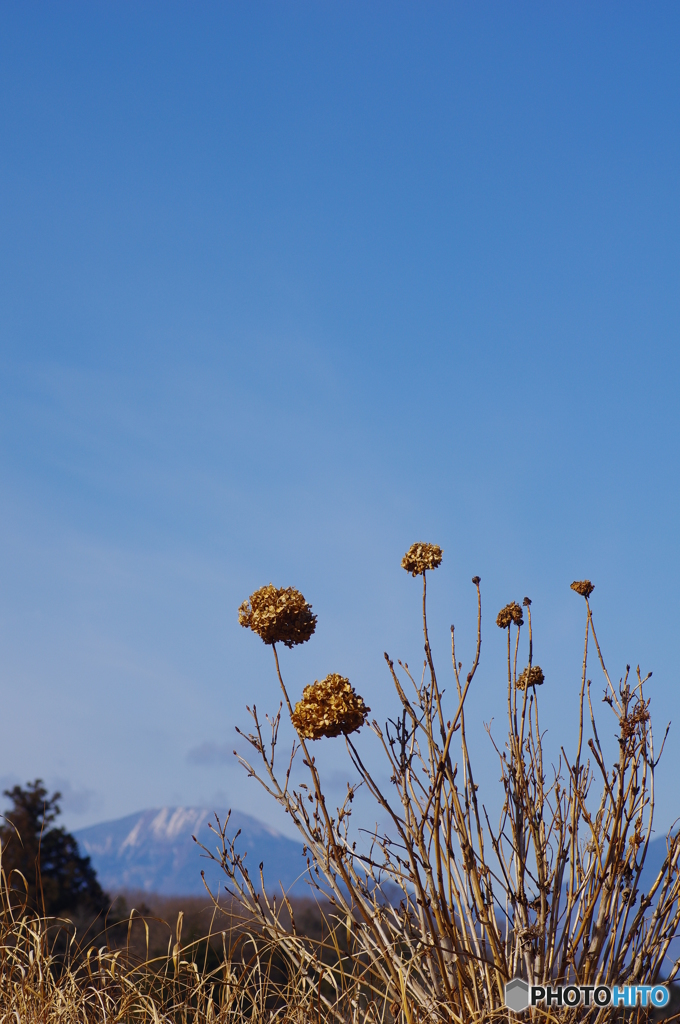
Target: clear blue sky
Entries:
(287, 286)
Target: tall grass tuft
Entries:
(232, 975)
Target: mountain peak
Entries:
(153, 850)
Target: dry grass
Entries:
(180, 960)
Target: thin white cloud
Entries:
(211, 754)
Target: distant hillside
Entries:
(656, 854)
(153, 851)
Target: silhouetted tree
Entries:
(55, 876)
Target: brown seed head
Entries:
(635, 721)
(278, 615)
(531, 677)
(511, 613)
(583, 587)
(329, 707)
(420, 557)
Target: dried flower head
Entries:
(635, 721)
(278, 615)
(531, 677)
(583, 587)
(511, 613)
(329, 707)
(420, 557)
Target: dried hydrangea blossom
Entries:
(531, 677)
(278, 615)
(511, 613)
(583, 587)
(420, 557)
(329, 707)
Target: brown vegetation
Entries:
(442, 908)
(428, 920)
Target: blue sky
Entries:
(287, 286)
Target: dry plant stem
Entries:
(331, 857)
(428, 655)
(339, 859)
(574, 812)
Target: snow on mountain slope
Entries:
(153, 851)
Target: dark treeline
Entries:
(41, 860)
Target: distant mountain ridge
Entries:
(153, 851)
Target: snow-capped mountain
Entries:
(153, 851)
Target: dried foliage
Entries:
(583, 587)
(329, 708)
(421, 557)
(530, 677)
(278, 615)
(232, 975)
(509, 614)
(441, 908)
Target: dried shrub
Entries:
(443, 908)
